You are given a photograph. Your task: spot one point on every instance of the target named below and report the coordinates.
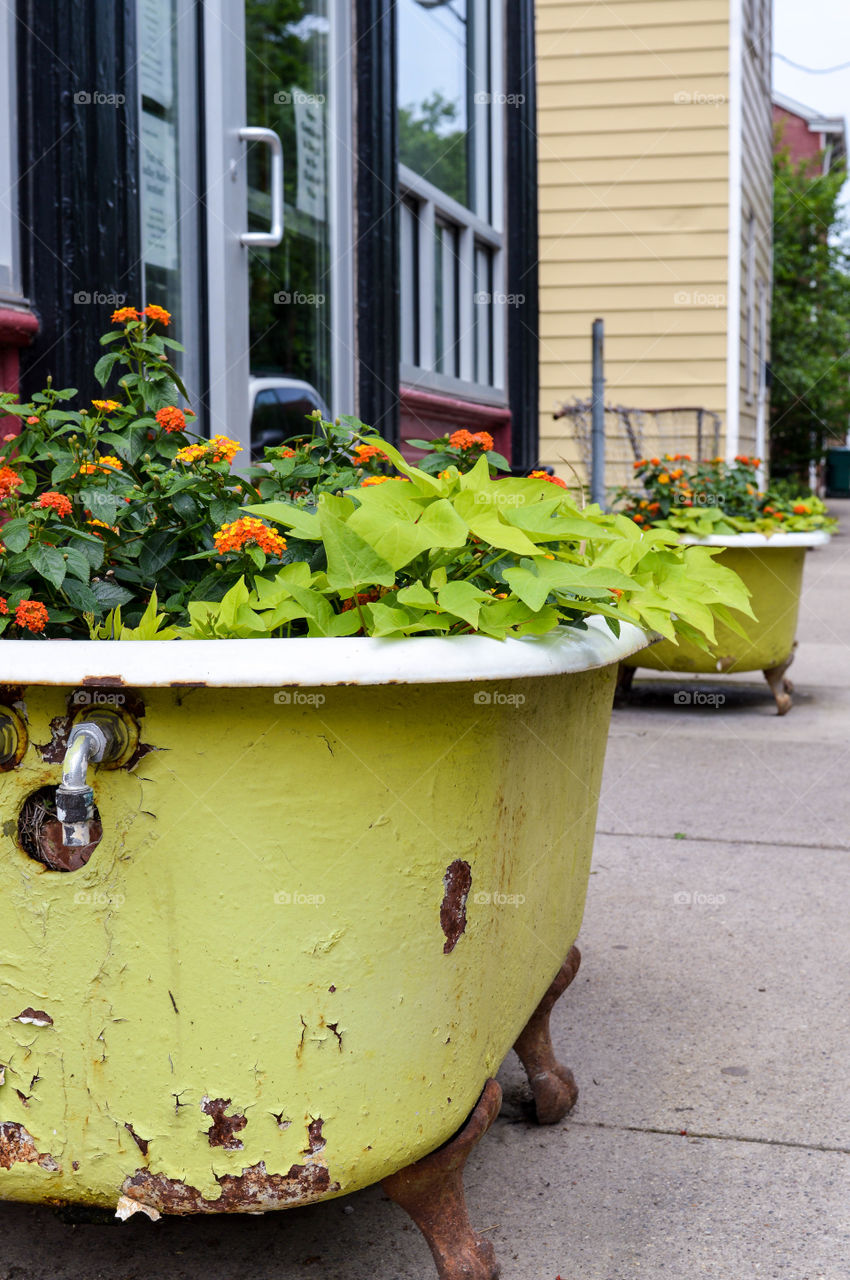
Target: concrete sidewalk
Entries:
(708, 1028)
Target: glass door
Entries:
(278, 202)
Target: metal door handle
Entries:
(274, 235)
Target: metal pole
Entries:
(597, 417)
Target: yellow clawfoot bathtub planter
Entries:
(772, 569)
(326, 885)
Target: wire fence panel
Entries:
(632, 433)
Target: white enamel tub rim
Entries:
(312, 662)
(815, 538)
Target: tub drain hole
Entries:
(40, 833)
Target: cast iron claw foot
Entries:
(623, 687)
(780, 686)
(431, 1192)
(553, 1085)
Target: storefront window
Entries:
(452, 262)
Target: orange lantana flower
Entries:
(32, 615)
(544, 475)
(9, 480)
(104, 462)
(364, 452)
(158, 313)
(106, 406)
(123, 314)
(245, 531)
(57, 501)
(171, 418)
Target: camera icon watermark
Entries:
(96, 98)
(97, 698)
(686, 98)
(696, 298)
(96, 898)
(85, 298)
(299, 698)
(283, 898)
(496, 698)
(283, 298)
(296, 97)
(697, 698)
(500, 499)
(484, 899)
(498, 99)
(681, 497)
(685, 899)
(484, 299)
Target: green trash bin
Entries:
(838, 473)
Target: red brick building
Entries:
(808, 134)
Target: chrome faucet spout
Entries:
(87, 743)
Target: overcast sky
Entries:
(814, 33)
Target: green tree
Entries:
(432, 142)
(810, 334)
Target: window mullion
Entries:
(427, 300)
(466, 289)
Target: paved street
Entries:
(709, 1028)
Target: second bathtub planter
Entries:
(288, 868)
(760, 536)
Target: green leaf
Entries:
(16, 534)
(110, 594)
(77, 563)
(104, 366)
(157, 551)
(417, 596)
(352, 562)
(48, 562)
(303, 523)
(462, 599)
(80, 596)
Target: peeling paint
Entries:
(37, 1017)
(141, 1143)
(223, 1130)
(127, 1207)
(315, 1141)
(253, 1190)
(457, 882)
(18, 1147)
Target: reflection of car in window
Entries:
(279, 408)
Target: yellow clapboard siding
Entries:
(596, 121)
(553, 15)
(610, 225)
(623, 37)
(688, 65)
(634, 194)
(573, 244)
(558, 165)
(674, 345)
(621, 145)
(674, 276)
(554, 91)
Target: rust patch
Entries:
(223, 1130)
(112, 682)
(53, 752)
(253, 1190)
(18, 1147)
(141, 1143)
(315, 1141)
(37, 1017)
(457, 881)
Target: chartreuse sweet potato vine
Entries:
(459, 553)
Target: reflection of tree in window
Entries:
(430, 147)
(287, 55)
